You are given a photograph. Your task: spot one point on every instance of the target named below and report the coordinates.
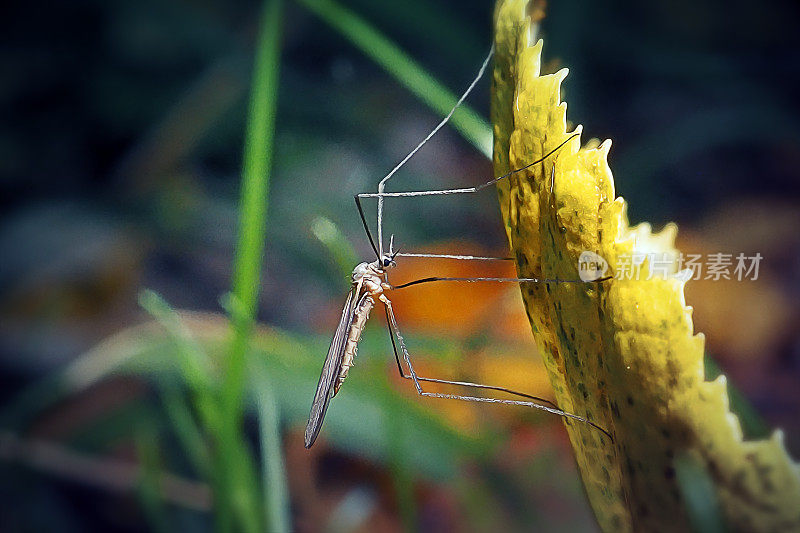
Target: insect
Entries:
(369, 284)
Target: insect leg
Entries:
(457, 383)
(461, 257)
(381, 195)
(498, 280)
(463, 190)
(407, 358)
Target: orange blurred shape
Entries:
(514, 369)
(509, 320)
(459, 308)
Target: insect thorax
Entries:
(363, 269)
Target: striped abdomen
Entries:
(353, 336)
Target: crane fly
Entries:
(369, 284)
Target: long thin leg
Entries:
(450, 256)
(498, 280)
(418, 386)
(457, 383)
(463, 190)
(380, 195)
(482, 258)
(455, 191)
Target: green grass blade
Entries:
(193, 360)
(238, 480)
(150, 480)
(405, 70)
(402, 475)
(259, 138)
(339, 248)
(273, 474)
(753, 425)
(699, 495)
(186, 429)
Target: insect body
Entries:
(367, 286)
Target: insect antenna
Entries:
(366, 226)
(440, 125)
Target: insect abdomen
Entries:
(353, 336)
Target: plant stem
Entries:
(235, 459)
(259, 138)
(273, 474)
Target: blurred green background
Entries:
(121, 149)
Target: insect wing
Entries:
(330, 371)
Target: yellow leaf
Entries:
(621, 353)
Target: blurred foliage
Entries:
(120, 158)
